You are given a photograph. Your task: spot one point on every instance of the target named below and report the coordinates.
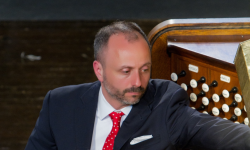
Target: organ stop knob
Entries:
(237, 98)
(205, 101)
(193, 96)
(246, 121)
(233, 104)
(225, 108)
(175, 77)
(244, 108)
(233, 118)
(237, 111)
(215, 111)
(205, 87)
(184, 86)
(226, 94)
(215, 97)
(194, 83)
(202, 107)
(234, 90)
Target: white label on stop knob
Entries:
(215, 111)
(225, 78)
(193, 83)
(225, 93)
(237, 111)
(237, 98)
(174, 76)
(193, 97)
(215, 97)
(205, 101)
(205, 87)
(225, 108)
(246, 121)
(184, 86)
(193, 68)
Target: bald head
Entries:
(130, 30)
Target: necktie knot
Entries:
(116, 116)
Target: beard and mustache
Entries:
(120, 95)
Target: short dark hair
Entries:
(103, 35)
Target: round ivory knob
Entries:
(225, 93)
(205, 101)
(246, 121)
(237, 111)
(215, 97)
(205, 112)
(237, 98)
(225, 118)
(184, 86)
(225, 108)
(205, 87)
(193, 107)
(245, 108)
(237, 122)
(174, 76)
(215, 111)
(193, 97)
(193, 83)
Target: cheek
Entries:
(116, 80)
(145, 79)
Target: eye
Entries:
(145, 69)
(125, 71)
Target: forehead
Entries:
(123, 49)
(121, 40)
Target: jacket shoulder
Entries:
(162, 86)
(166, 91)
(73, 91)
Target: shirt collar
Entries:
(104, 108)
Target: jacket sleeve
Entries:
(190, 128)
(41, 137)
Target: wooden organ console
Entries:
(198, 54)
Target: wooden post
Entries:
(242, 64)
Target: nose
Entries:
(136, 80)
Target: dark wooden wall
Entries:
(137, 9)
(66, 52)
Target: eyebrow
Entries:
(148, 63)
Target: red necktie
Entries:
(116, 117)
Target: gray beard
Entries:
(121, 96)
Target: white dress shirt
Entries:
(103, 123)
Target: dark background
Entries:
(121, 9)
(62, 33)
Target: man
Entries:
(149, 114)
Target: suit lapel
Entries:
(134, 121)
(85, 112)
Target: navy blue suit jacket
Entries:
(67, 118)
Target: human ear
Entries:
(98, 69)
